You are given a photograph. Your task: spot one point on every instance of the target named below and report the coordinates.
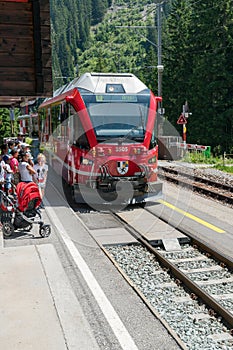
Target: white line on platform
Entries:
(1, 239)
(110, 314)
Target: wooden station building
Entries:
(25, 51)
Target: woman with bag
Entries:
(14, 164)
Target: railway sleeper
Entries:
(215, 281)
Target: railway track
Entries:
(189, 289)
(193, 284)
(210, 188)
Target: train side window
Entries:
(79, 137)
(44, 120)
(64, 112)
(55, 120)
(61, 121)
(82, 142)
(153, 141)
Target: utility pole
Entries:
(159, 48)
(184, 126)
(160, 68)
(183, 118)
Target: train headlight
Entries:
(152, 160)
(101, 151)
(86, 161)
(138, 150)
(93, 151)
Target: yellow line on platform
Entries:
(193, 217)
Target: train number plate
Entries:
(122, 149)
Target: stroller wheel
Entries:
(7, 229)
(45, 230)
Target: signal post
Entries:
(182, 120)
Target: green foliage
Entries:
(197, 61)
(199, 157)
(197, 51)
(7, 128)
(226, 169)
(216, 162)
(98, 10)
(114, 47)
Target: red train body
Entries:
(99, 131)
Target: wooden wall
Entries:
(25, 48)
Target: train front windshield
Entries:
(118, 115)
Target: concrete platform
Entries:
(113, 236)
(155, 231)
(38, 309)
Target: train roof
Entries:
(98, 82)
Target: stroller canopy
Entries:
(28, 196)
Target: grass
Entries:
(225, 168)
(215, 162)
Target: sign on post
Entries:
(182, 119)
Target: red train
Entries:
(100, 134)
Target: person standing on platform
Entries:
(2, 176)
(11, 146)
(2, 172)
(14, 164)
(41, 169)
(4, 149)
(20, 137)
(8, 174)
(26, 170)
(25, 148)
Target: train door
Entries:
(79, 145)
(60, 130)
(44, 120)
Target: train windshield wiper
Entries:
(133, 136)
(140, 127)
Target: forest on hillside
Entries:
(121, 36)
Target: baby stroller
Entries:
(22, 211)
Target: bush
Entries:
(199, 157)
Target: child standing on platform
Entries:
(41, 169)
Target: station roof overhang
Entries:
(16, 101)
(9, 101)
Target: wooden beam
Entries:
(25, 48)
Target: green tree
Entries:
(198, 68)
(177, 64)
(6, 126)
(212, 72)
(197, 44)
(99, 8)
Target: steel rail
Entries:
(196, 178)
(180, 276)
(227, 198)
(192, 286)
